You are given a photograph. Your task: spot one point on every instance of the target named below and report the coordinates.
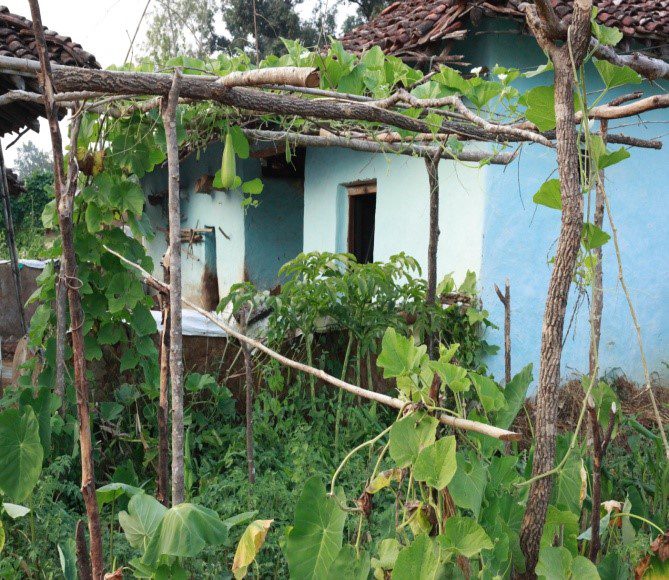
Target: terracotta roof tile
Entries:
(17, 40)
(407, 26)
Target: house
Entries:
(376, 205)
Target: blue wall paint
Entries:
(520, 237)
(274, 229)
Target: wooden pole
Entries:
(11, 241)
(65, 204)
(505, 299)
(61, 335)
(248, 369)
(432, 165)
(168, 111)
(163, 398)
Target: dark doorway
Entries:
(361, 220)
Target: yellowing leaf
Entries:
(249, 545)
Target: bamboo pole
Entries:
(455, 422)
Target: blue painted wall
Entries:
(520, 238)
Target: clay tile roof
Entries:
(17, 40)
(410, 25)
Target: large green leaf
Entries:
(464, 536)
(468, 484)
(541, 107)
(549, 194)
(67, 553)
(184, 530)
(318, 533)
(568, 485)
(436, 464)
(349, 565)
(21, 452)
(489, 393)
(514, 394)
(410, 435)
(616, 76)
(418, 561)
(399, 355)
(558, 564)
(108, 493)
(141, 520)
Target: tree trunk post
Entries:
(65, 203)
(505, 299)
(61, 335)
(168, 111)
(432, 166)
(163, 399)
(566, 58)
(248, 369)
(11, 241)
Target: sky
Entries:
(102, 27)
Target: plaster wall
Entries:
(402, 207)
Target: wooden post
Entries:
(248, 368)
(163, 399)
(505, 299)
(432, 165)
(168, 111)
(61, 335)
(65, 203)
(11, 241)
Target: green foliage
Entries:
(22, 453)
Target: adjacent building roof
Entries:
(408, 26)
(18, 40)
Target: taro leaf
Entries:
(464, 536)
(436, 464)
(15, 511)
(616, 76)
(240, 519)
(184, 531)
(68, 559)
(541, 107)
(514, 394)
(468, 484)
(383, 480)
(349, 565)
(418, 561)
(318, 533)
(409, 436)
(549, 194)
(249, 545)
(22, 453)
(108, 493)
(568, 486)
(141, 520)
(399, 355)
(490, 395)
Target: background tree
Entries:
(31, 159)
(365, 11)
(181, 28)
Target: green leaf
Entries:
(108, 493)
(540, 103)
(616, 76)
(318, 533)
(612, 567)
(453, 376)
(239, 142)
(94, 218)
(468, 484)
(489, 393)
(464, 536)
(558, 564)
(389, 549)
(141, 520)
(142, 321)
(514, 394)
(593, 237)
(127, 196)
(184, 531)
(612, 157)
(568, 485)
(563, 524)
(349, 565)
(68, 559)
(418, 561)
(608, 35)
(15, 511)
(436, 464)
(549, 194)
(383, 480)
(253, 187)
(410, 435)
(399, 355)
(129, 360)
(22, 453)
